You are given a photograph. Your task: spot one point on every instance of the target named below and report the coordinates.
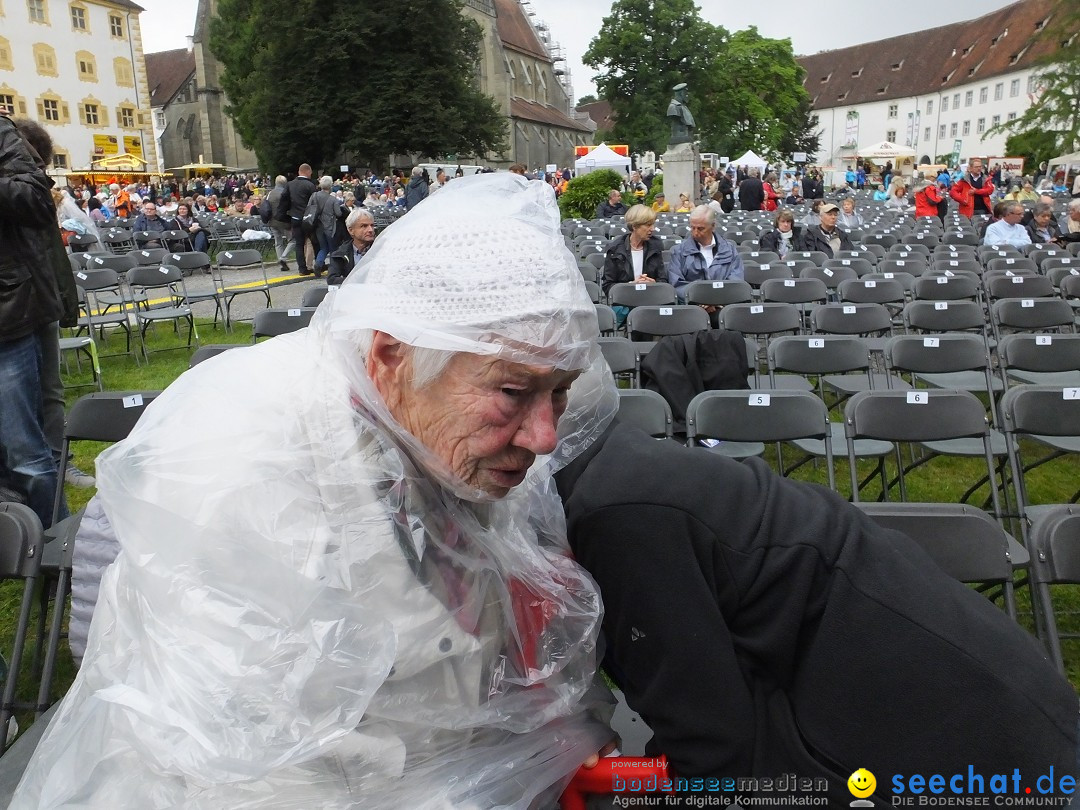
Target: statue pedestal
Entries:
(681, 171)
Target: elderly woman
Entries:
(1043, 228)
(361, 594)
(849, 218)
(186, 222)
(782, 239)
(638, 256)
(360, 225)
(328, 211)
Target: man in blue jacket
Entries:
(703, 254)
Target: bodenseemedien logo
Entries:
(861, 784)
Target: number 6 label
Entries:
(917, 397)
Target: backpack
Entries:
(311, 215)
(266, 211)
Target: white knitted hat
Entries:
(480, 267)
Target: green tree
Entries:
(644, 48)
(1034, 146)
(586, 99)
(1057, 105)
(298, 94)
(584, 193)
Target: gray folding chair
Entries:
(167, 281)
(235, 260)
(621, 357)
(646, 410)
(718, 293)
(1055, 551)
(661, 321)
(631, 295)
(1040, 359)
(605, 317)
(742, 421)
(212, 350)
(274, 322)
(313, 296)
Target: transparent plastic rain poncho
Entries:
(309, 609)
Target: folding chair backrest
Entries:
(189, 260)
(939, 354)
(761, 319)
(619, 353)
(1056, 542)
(970, 265)
(794, 290)
(1016, 262)
(947, 288)
(1018, 286)
(944, 316)
(831, 276)
(1045, 353)
(313, 296)
(816, 257)
(670, 320)
(206, 352)
(851, 319)
(636, 295)
(1046, 410)
(21, 538)
(867, 290)
(150, 277)
(860, 266)
(149, 257)
(915, 416)
(821, 354)
(605, 317)
(239, 258)
(759, 276)
(757, 416)
(718, 293)
(274, 322)
(1032, 313)
(121, 264)
(914, 267)
(106, 416)
(646, 410)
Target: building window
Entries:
(952, 130)
(37, 12)
(890, 135)
(78, 18)
(59, 160)
(116, 26)
(91, 113)
(123, 72)
(126, 116)
(1032, 84)
(1012, 116)
(984, 93)
(930, 107)
(941, 131)
(967, 128)
(969, 97)
(926, 134)
(52, 109)
(945, 104)
(980, 126)
(999, 91)
(892, 110)
(995, 120)
(159, 117)
(7, 104)
(5, 55)
(45, 59)
(956, 101)
(87, 65)
(1014, 88)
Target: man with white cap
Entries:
(359, 594)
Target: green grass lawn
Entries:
(943, 479)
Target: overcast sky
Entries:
(811, 26)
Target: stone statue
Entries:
(682, 122)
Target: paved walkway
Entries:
(286, 289)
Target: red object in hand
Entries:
(600, 780)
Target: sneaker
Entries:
(77, 478)
(284, 266)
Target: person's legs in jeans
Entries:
(300, 238)
(325, 247)
(24, 449)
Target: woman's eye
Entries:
(513, 392)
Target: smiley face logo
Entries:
(861, 783)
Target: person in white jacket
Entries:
(351, 586)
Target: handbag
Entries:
(311, 215)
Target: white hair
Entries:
(326, 182)
(1074, 205)
(355, 214)
(427, 364)
(706, 213)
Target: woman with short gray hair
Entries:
(329, 212)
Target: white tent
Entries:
(1064, 160)
(885, 149)
(750, 160)
(602, 157)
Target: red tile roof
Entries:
(601, 114)
(541, 114)
(516, 31)
(930, 61)
(166, 72)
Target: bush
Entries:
(657, 188)
(584, 193)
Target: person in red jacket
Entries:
(972, 191)
(927, 198)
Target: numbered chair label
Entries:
(845, 262)
(789, 282)
(134, 401)
(828, 272)
(718, 285)
(917, 397)
(639, 286)
(763, 400)
(849, 310)
(81, 276)
(941, 305)
(931, 343)
(294, 313)
(228, 254)
(1070, 393)
(176, 257)
(953, 263)
(757, 309)
(816, 343)
(942, 279)
(1043, 340)
(1017, 279)
(870, 284)
(665, 310)
(891, 275)
(901, 263)
(1027, 303)
(164, 270)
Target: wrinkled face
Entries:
(643, 232)
(362, 232)
(1014, 214)
(1074, 214)
(848, 206)
(1043, 219)
(486, 419)
(150, 210)
(828, 218)
(784, 226)
(701, 230)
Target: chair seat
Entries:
(864, 448)
(165, 314)
(785, 382)
(738, 449)
(849, 384)
(1067, 444)
(974, 381)
(970, 446)
(1062, 379)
